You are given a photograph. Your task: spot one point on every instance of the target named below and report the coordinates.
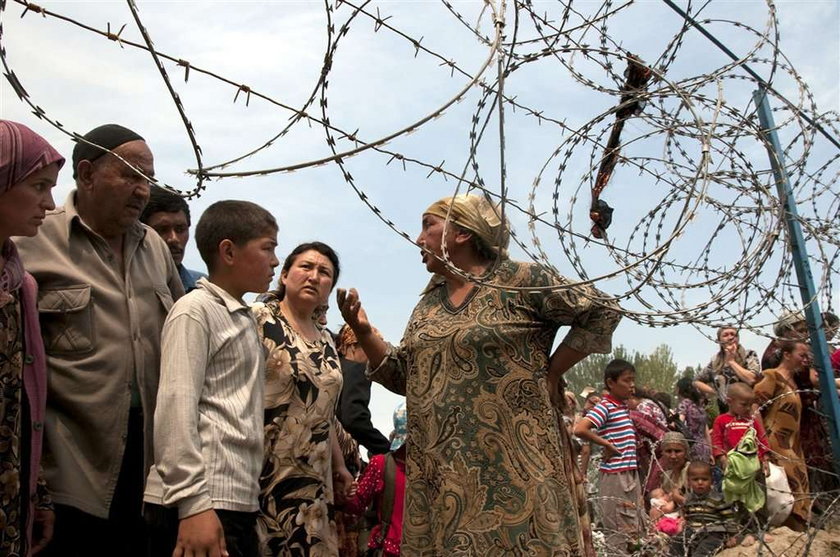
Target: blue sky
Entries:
(377, 86)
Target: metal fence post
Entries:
(816, 327)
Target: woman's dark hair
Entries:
(664, 399)
(788, 346)
(321, 248)
(686, 389)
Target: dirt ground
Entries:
(787, 543)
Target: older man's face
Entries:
(118, 194)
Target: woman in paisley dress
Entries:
(783, 420)
(304, 468)
(28, 171)
(487, 471)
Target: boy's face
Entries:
(700, 480)
(624, 387)
(255, 263)
(740, 406)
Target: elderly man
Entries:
(106, 284)
(169, 215)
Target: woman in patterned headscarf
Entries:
(487, 472)
(28, 171)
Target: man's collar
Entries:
(614, 400)
(137, 231)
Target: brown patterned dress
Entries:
(302, 384)
(11, 416)
(782, 420)
(487, 471)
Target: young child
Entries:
(375, 484)
(608, 425)
(710, 522)
(201, 494)
(664, 512)
(730, 427)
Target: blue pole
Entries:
(816, 327)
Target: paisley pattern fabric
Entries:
(11, 383)
(487, 470)
(302, 384)
(782, 420)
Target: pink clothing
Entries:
(35, 384)
(372, 485)
(835, 361)
(728, 431)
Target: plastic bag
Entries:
(779, 497)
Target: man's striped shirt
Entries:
(612, 422)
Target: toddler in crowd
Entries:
(664, 512)
(730, 427)
(710, 522)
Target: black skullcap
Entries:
(109, 137)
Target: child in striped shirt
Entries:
(608, 424)
(710, 522)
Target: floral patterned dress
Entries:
(11, 416)
(487, 472)
(303, 381)
(696, 421)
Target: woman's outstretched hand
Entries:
(351, 310)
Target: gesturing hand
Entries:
(352, 312)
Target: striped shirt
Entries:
(612, 423)
(710, 513)
(209, 419)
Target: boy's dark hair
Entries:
(164, 201)
(615, 368)
(698, 465)
(237, 221)
(321, 248)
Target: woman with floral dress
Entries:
(304, 469)
(28, 171)
(486, 469)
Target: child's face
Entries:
(700, 481)
(624, 387)
(740, 406)
(255, 262)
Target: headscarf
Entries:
(477, 215)
(400, 427)
(22, 152)
(104, 139)
(674, 438)
(790, 319)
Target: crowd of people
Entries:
(695, 477)
(148, 410)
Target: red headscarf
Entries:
(22, 152)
